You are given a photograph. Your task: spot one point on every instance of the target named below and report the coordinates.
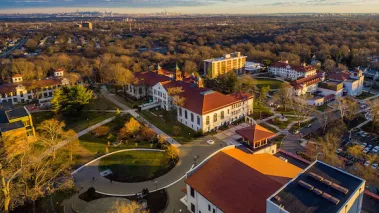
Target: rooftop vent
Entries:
(327, 182)
(330, 198)
(339, 188)
(277, 198)
(315, 176)
(317, 191)
(306, 185)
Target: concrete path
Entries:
(140, 118)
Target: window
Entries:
(180, 111)
(185, 114)
(222, 115)
(215, 117)
(209, 207)
(192, 192)
(192, 117)
(207, 120)
(198, 120)
(214, 210)
(192, 207)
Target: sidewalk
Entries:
(138, 117)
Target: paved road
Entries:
(199, 148)
(15, 47)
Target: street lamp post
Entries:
(156, 185)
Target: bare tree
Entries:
(52, 133)
(374, 109)
(283, 96)
(301, 108)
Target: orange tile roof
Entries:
(310, 80)
(17, 75)
(255, 133)
(339, 76)
(240, 182)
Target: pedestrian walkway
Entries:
(140, 118)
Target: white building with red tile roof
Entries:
(20, 91)
(285, 70)
(201, 109)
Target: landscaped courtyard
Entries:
(273, 83)
(136, 166)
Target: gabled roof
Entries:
(298, 68)
(255, 133)
(240, 182)
(149, 78)
(310, 80)
(339, 76)
(16, 76)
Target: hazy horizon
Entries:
(192, 6)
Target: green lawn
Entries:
(77, 123)
(288, 111)
(136, 166)
(166, 123)
(282, 124)
(101, 103)
(273, 83)
(365, 95)
(323, 107)
(261, 112)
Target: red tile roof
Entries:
(203, 100)
(339, 76)
(149, 78)
(310, 80)
(255, 133)
(298, 68)
(240, 182)
(17, 75)
(7, 88)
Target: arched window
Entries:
(185, 114)
(198, 120)
(222, 115)
(215, 117)
(207, 120)
(180, 112)
(192, 118)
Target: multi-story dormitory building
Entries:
(203, 109)
(41, 91)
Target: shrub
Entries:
(176, 130)
(173, 152)
(101, 131)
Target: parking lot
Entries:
(369, 144)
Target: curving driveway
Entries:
(199, 148)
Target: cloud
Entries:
(317, 3)
(114, 3)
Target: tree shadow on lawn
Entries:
(132, 168)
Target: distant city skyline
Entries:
(192, 6)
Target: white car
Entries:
(210, 141)
(375, 149)
(367, 163)
(338, 151)
(366, 150)
(374, 166)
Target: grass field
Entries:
(273, 83)
(136, 166)
(282, 124)
(166, 124)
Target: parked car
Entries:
(366, 150)
(374, 166)
(309, 125)
(367, 163)
(339, 151)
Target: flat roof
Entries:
(238, 181)
(296, 198)
(16, 113)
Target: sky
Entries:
(191, 6)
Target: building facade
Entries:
(229, 62)
(199, 108)
(41, 91)
(16, 122)
(284, 70)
